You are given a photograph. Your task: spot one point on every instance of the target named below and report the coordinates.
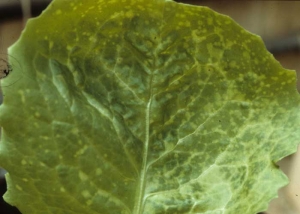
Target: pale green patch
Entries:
(147, 107)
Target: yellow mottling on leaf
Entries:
(22, 96)
(82, 176)
(19, 188)
(45, 137)
(75, 131)
(42, 164)
(89, 202)
(233, 64)
(58, 12)
(129, 14)
(51, 43)
(86, 194)
(98, 171)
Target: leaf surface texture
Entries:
(144, 107)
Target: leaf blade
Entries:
(124, 118)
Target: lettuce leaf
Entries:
(144, 107)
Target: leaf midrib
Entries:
(138, 207)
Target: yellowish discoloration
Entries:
(129, 14)
(19, 188)
(81, 151)
(86, 194)
(58, 12)
(99, 171)
(51, 43)
(89, 202)
(83, 176)
(75, 131)
(44, 137)
(42, 164)
(22, 96)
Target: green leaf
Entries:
(144, 107)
